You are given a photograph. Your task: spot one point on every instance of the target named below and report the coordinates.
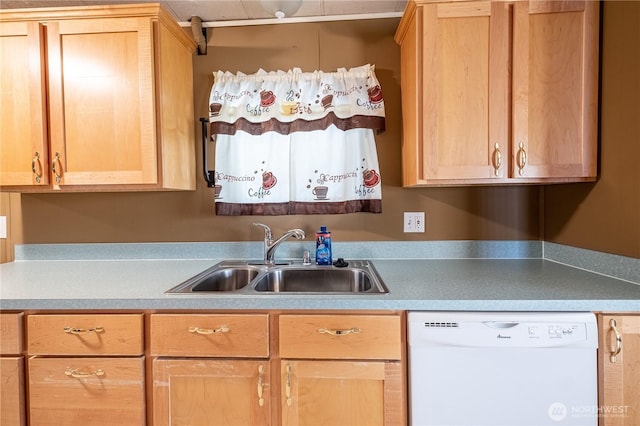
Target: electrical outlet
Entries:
(414, 222)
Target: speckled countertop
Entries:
(478, 276)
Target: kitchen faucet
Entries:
(270, 245)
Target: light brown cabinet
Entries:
(216, 392)
(12, 388)
(277, 369)
(96, 99)
(341, 370)
(211, 369)
(619, 369)
(86, 369)
(499, 92)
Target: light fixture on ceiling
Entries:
(281, 8)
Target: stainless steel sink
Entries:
(332, 280)
(219, 278)
(359, 277)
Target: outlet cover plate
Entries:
(414, 222)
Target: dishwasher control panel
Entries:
(503, 330)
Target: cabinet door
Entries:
(619, 370)
(465, 92)
(12, 406)
(23, 139)
(342, 393)
(211, 392)
(555, 89)
(102, 101)
(86, 391)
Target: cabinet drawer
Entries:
(11, 333)
(340, 336)
(81, 391)
(12, 406)
(85, 334)
(210, 335)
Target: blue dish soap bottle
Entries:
(323, 247)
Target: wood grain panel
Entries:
(244, 335)
(115, 397)
(211, 392)
(98, 334)
(378, 337)
(12, 396)
(341, 393)
(11, 332)
(22, 104)
(619, 393)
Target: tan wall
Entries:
(10, 209)
(510, 213)
(605, 216)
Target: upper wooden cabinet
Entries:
(96, 99)
(498, 92)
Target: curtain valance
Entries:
(293, 101)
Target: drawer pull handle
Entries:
(497, 159)
(198, 330)
(353, 330)
(288, 385)
(74, 330)
(80, 375)
(613, 353)
(260, 374)
(56, 167)
(521, 159)
(36, 167)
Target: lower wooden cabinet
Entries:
(267, 368)
(12, 388)
(619, 370)
(86, 391)
(211, 369)
(86, 369)
(12, 398)
(342, 393)
(213, 392)
(258, 369)
(341, 370)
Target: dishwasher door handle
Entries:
(500, 324)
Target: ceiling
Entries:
(245, 12)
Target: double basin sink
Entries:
(238, 277)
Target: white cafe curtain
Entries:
(297, 143)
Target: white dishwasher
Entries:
(502, 369)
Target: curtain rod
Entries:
(295, 20)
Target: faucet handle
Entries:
(267, 230)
